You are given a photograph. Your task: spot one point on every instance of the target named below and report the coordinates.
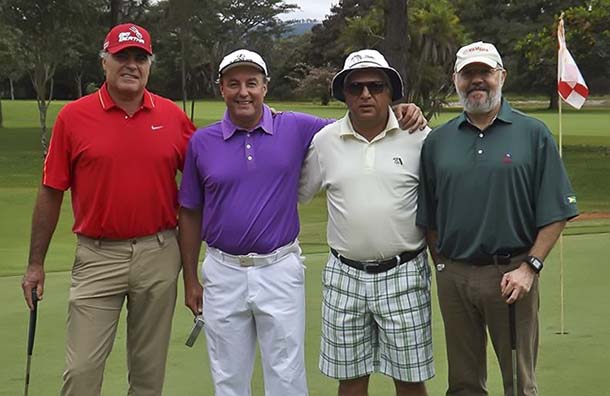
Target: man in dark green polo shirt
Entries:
(494, 197)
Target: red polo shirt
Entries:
(121, 170)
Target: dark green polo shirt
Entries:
(489, 192)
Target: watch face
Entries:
(535, 263)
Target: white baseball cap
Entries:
(478, 52)
(241, 57)
(367, 59)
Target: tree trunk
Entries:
(43, 106)
(78, 81)
(193, 109)
(183, 71)
(553, 99)
(396, 38)
(12, 85)
(116, 12)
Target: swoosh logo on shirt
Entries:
(156, 127)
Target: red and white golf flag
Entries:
(570, 84)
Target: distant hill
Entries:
(302, 26)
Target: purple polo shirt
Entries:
(247, 181)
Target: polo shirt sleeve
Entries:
(554, 197)
(190, 194)
(310, 182)
(426, 201)
(57, 169)
(311, 125)
(187, 128)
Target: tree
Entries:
(43, 26)
(588, 38)
(11, 62)
(396, 38)
(434, 34)
(316, 83)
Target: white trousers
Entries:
(250, 298)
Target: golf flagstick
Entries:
(513, 343)
(31, 334)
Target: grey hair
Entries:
(104, 54)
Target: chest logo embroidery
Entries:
(156, 127)
(397, 161)
(507, 159)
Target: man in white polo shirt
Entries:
(376, 313)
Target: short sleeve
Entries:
(57, 168)
(426, 196)
(187, 128)
(555, 199)
(310, 182)
(190, 194)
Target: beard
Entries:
(480, 106)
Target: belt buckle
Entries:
(246, 261)
(369, 264)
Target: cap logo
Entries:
(477, 49)
(136, 31)
(126, 36)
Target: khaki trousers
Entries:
(471, 304)
(142, 271)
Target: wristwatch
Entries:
(535, 263)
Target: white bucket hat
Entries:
(478, 52)
(367, 59)
(241, 57)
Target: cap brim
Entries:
(121, 47)
(393, 76)
(470, 61)
(244, 63)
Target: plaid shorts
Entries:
(377, 322)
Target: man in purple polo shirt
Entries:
(239, 194)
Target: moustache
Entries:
(477, 88)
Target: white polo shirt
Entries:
(371, 188)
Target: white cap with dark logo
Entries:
(242, 57)
(367, 59)
(478, 52)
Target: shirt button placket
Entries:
(249, 151)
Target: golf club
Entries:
(31, 333)
(513, 343)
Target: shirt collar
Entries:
(505, 114)
(265, 124)
(347, 128)
(107, 103)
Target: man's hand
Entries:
(33, 279)
(410, 117)
(517, 283)
(193, 296)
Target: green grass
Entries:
(569, 364)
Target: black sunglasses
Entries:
(356, 88)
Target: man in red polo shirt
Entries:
(118, 151)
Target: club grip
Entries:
(32, 327)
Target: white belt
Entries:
(255, 259)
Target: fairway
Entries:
(574, 364)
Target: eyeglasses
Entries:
(476, 71)
(356, 88)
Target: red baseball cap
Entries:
(125, 36)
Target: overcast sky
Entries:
(312, 9)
